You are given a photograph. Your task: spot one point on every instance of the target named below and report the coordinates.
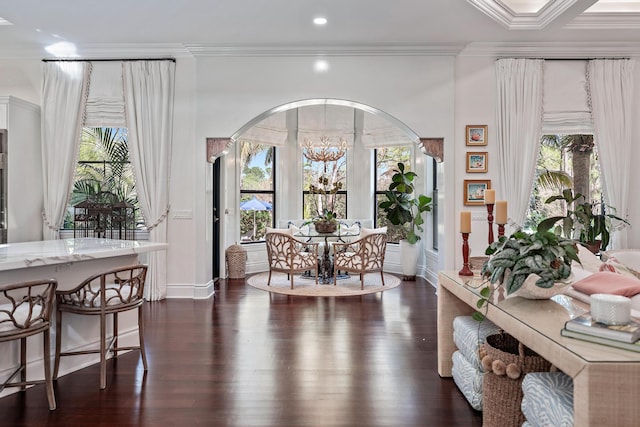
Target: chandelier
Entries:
(325, 151)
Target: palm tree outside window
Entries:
(104, 172)
(564, 161)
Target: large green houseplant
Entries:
(544, 253)
(401, 207)
(590, 223)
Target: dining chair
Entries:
(288, 255)
(25, 310)
(102, 294)
(361, 256)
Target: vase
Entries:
(594, 246)
(409, 257)
(530, 290)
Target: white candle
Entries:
(465, 222)
(489, 196)
(501, 212)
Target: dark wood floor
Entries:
(250, 358)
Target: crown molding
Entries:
(119, 50)
(605, 21)
(512, 49)
(387, 49)
(511, 20)
(552, 50)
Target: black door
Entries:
(216, 222)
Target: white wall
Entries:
(21, 78)
(475, 105)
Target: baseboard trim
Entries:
(190, 290)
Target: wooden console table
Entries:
(606, 380)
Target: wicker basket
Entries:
(476, 262)
(325, 226)
(502, 388)
(236, 259)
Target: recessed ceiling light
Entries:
(62, 50)
(320, 21)
(321, 66)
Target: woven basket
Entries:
(502, 392)
(236, 259)
(325, 227)
(476, 262)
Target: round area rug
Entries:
(306, 286)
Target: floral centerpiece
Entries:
(326, 152)
(326, 220)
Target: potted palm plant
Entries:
(403, 209)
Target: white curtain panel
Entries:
(149, 94)
(611, 86)
(64, 95)
(518, 121)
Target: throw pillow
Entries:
(366, 231)
(607, 282)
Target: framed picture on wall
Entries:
(474, 191)
(477, 162)
(476, 135)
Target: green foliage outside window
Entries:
(555, 171)
(256, 180)
(103, 168)
(387, 160)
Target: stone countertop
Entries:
(47, 252)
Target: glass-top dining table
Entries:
(325, 263)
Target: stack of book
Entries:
(585, 328)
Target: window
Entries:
(324, 187)
(387, 160)
(565, 161)
(257, 194)
(104, 201)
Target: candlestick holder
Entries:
(500, 230)
(466, 270)
(490, 220)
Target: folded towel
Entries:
(607, 282)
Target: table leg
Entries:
(326, 266)
(607, 395)
(449, 307)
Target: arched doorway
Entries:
(370, 126)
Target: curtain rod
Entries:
(108, 60)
